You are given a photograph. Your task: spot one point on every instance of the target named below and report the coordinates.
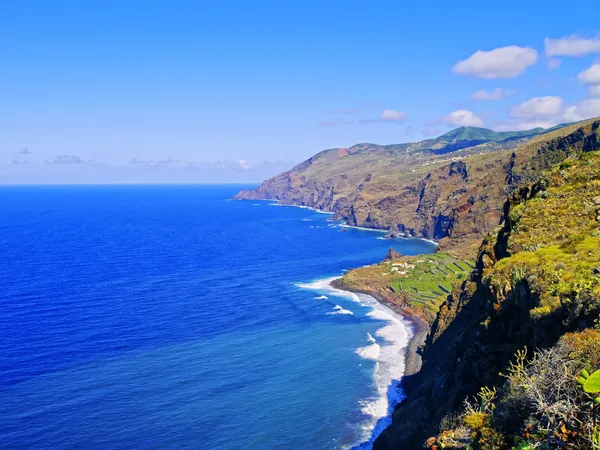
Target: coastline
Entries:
(343, 225)
(419, 328)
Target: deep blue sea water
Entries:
(172, 317)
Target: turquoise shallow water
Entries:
(171, 317)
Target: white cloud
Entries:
(590, 75)
(571, 46)
(496, 94)
(538, 107)
(585, 109)
(553, 63)
(503, 62)
(594, 91)
(392, 114)
(526, 125)
(463, 118)
(546, 112)
(245, 164)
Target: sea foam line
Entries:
(387, 349)
(345, 225)
(320, 211)
(376, 230)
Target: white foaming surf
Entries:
(362, 228)
(337, 309)
(321, 297)
(324, 284)
(387, 348)
(320, 211)
(371, 352)
(392, 340)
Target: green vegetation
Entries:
(419, 284)
(555, 239)
(536, 285)
(549, 267)
(485, 134)
(541, 404)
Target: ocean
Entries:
(169, 316)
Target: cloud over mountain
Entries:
(537, 107)
(462, 118)
(392, 114)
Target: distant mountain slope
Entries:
(450, 188)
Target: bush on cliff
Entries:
(541, 404)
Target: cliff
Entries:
(537, 278)
(450, 189)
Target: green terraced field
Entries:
(423, 281)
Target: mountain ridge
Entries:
(444, 189)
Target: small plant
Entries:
(591, 386)
(478, 418)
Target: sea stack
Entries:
(393, 255)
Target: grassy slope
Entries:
(416, 284)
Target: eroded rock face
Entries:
(457, 202)
(459, 168)
(393, 255)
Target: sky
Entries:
(237, 91)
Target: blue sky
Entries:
(132, 91)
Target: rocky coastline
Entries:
(419, 328)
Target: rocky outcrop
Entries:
(459, 168)
(392, 255)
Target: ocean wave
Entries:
(362, 228)
(320, 211)
(339, 310)
(317, 285)
(321, 297)
(324, 285)
(371, 352)
(387, 349)
(392, 340)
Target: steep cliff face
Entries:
(449, 190)
(537, 277)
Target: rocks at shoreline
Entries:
(392, 255)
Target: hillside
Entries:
(520, 328)
(450, 188)
(414, 285)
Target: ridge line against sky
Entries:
(235, 92)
